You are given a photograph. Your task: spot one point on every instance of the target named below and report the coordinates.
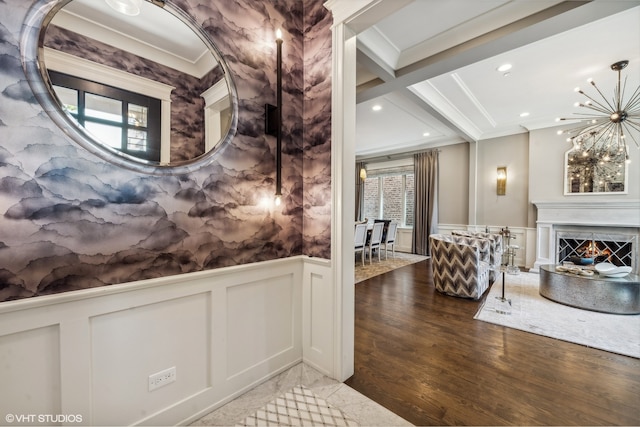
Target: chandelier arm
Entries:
(633, 102)
(593, 127)
(599, 108)
(603, 97)
(635, 141)
(607, 131)
(603, 132)
(588, 146)
(634, 125)
(604, 107)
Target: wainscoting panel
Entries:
(130, 345)
(261, 323)
(30, 372)
(318, 318)
(224, 330)
(404, 240)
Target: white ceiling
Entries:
(432, 64)
(154, 34)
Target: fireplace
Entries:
(604, 231)
(576, 246)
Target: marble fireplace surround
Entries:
(605, 217)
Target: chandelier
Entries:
(608, 124)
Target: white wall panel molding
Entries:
(318, 294)
(224, 330)
(404, 239)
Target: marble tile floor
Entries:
(356, 408)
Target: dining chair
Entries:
(360, 239)
(390, 239)
(375, 240)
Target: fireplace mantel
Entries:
(585, 213)
(590, 213)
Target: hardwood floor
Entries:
(422, 355)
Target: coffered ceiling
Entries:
(431, 67)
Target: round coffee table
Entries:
(617, 295)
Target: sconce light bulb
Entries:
(278, 34)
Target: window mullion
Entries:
(380, 198)
(404, 199)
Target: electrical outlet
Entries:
(162, 378)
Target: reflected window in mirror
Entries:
(595, 172)
(126, 121)
(161, 53)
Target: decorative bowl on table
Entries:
(581, 260)
(607, 269)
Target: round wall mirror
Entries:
(136, 82)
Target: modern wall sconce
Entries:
(501, 183)
(273, 118)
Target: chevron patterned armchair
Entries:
(495, 254)
(460, 265)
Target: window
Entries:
(123, 120)
(388, 194)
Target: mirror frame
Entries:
(32, 56)
(567, 181)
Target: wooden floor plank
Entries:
(422, 355)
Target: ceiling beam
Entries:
(554, 20)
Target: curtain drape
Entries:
(425, 169)
(359, 192)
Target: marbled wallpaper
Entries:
(317, 130)
(187, 106)
(70, 221)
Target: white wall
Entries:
(546, 171)
(510, 209)
(453, 184)
(90, 353)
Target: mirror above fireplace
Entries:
(594, 173)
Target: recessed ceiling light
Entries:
(376, 107)
(426, 134)
(525, 114)
(504, 67)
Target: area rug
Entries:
(298, 407)
(379, 267)
(533, 313)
